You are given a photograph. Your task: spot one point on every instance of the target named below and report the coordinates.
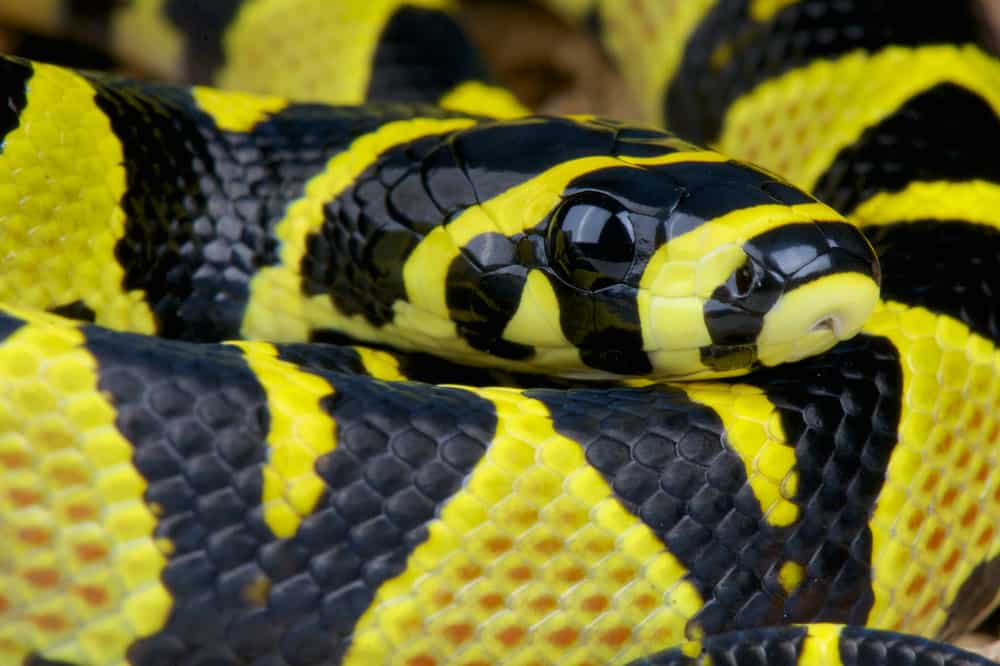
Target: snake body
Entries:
(165, 501)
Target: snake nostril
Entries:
(828, 323)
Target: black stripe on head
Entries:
(201, 203)
(596, 276)
(947, 132)
(484, 286)
(498, 156)
(421, 55)
(914, 256)
(595, 270)
(203, 25)
(701, 91)
(712, 189)
(605, 327)
(773, 646)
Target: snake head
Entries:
(704, 269)
(593, 249)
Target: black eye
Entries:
(744, 279)
(591, 242)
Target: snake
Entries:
(352, 360)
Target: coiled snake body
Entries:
(279, 500)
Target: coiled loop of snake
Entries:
(269, 502)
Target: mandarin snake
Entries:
(538, 494)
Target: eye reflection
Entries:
(591, 241)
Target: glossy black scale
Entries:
(369, 230)
(201, 204)
(667, 461)
(197, 417)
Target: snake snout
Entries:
(830, 285)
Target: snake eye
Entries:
(744, 279)
(591, 242)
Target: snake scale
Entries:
(306, 383)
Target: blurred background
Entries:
(555, 68)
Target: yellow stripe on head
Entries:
(696, 277)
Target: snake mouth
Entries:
(814, 317)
